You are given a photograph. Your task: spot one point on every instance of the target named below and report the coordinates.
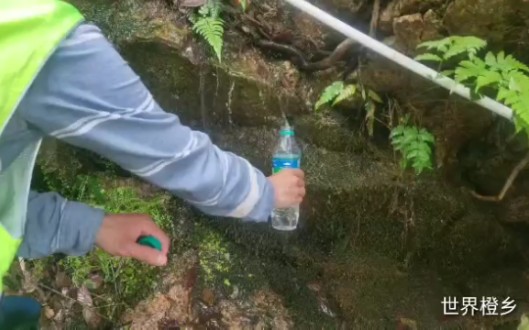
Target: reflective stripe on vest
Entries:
(8, 249)
(30, 31)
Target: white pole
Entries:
(410, 64)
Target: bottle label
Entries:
(279, 163)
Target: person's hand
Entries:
(119, 234)
(289, 187)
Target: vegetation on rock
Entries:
(499, 74)
(207, 23)
(415, 144)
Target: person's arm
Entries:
(88, 96)
(56, 225)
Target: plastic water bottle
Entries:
(287, 154)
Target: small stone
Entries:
(408, 30)
(208, 296)
(387, 15)
(94, 282)
(406, 7)
(91, 317)
(49, 313)
(487, 19)
(59, 317)
(314, 286)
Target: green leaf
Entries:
(374, 96)
(503, 94)
(426, 136)
(210, 26)
(490, 59)
(461, 45)
(436, 44)
(524, 323)
(346, 93)
(469, 69)
(370, 117)
(412, 154)
(452, 46)
(501, 57)
(513, 63)
(488, 78)
(397, 131)
(363, 91)
(428, 57)
(415, 146)
(244, 5)
(519, 82)
(330, 93)
(448, 73)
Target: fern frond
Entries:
(519, 81)
(469, 69)
(468, 44)
(488, 78)
(450, 47)
(501, 73)
(513, 63)
(244, 4)
(346, 93)
(415, 145)
(212, 30)
(428, 57)
(330, 93)
(504, 64)
(439, 45)
(520, 107)
(211, 8)
(370, 117)
(374, 96)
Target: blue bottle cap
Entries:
(286, 132)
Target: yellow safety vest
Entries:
(30, 31)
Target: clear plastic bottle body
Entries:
(287, 154)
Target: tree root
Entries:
(373, 26)
(336, 56)
(510, 180)
(263, 39)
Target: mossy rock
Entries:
(243, 89)
(362, 201)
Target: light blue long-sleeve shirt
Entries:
(88, 96)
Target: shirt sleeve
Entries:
(88, 96)
(56, 225)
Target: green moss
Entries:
(119, 20)
(240, 259)
(329, 131)
(125, 281)
(215, 259)
(175, 83)
(157, 43)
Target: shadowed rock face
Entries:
(373, 245)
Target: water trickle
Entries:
(202, 92)
(228, 104)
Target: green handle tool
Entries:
(151, 242)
